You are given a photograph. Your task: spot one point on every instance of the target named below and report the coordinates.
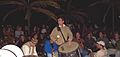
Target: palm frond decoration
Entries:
(99, 2)
(12, 11)
(46, 3)
(10, 3)
(26, 5)
(47, 12)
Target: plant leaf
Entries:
(44, 11)
(46, 3)
(11, 2)
(12, 11)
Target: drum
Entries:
(10, 51)
(67, 50)
(6, 53)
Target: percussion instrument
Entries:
(67, 50)
(6, 53)
(11, 50)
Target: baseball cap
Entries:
(101, 43)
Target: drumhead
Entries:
(65, 48)
(6, 53)
(13, 48)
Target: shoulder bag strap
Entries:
(61, 33)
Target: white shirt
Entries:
(101, 53)
(18, 33)
(43, 31)
(27, 50)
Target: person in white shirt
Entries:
(18, 32)
(102, 52)
(29, 48)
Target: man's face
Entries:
(22, 38)
(100, 34)
(99, 46)
(77, 35)
(89, 36)
(60, 21)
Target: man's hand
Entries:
(90, 50)
(69, 41)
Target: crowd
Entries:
(42, 41)
(18, 35)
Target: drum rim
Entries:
(8, 52)
(70, 51)
(11, 52)
(6, 47)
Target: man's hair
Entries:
(34, 40)
(61, 16)
(34, 35)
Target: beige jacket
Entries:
(56, 35)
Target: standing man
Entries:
(61, 33)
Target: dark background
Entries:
(95, 13)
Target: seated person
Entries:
(29, 48)
(82, 50)
(51, 48)
(102, 52)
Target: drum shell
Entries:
(69, 51)
(70, 54)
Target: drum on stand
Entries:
(67, 50)
(11, 51)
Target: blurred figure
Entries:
(21, 41)
(114, 45)
(50, 48)
(102, 52)
(18, 32)
(8, 32)
(29, 48)
(82, 51)
(90, 42)
(103, 37)
(117, 38)
(8, 40)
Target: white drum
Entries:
(13, 49)
(6, 53)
